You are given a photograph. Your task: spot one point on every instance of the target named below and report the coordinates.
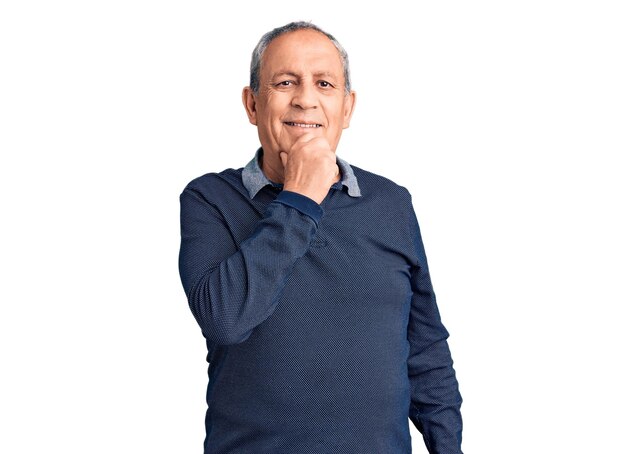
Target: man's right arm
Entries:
(233, 289)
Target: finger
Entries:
(284, 157)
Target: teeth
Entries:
(303, 125)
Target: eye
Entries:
(285, 83)
(325, 84)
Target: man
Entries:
(309, 280)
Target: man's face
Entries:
(301, 91)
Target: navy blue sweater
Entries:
(321, 323)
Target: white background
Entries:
(506, 121)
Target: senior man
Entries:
(309, 280)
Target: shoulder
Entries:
(215, 186)
(377, 185)
(215, 179)
(385, 195)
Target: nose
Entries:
(305, 96)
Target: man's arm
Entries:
(231, 290)
(435, 398)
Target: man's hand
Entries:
(310, 167)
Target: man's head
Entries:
(299, 84)
(257, 53)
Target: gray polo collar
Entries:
(254, 178)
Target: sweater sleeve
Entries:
(230, 289)
(435, 398)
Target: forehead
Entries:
(302, 51)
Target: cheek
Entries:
(336, 120)
(276, 102)
(268, 117)
(334, 112)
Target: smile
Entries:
(303, 125)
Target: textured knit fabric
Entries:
(320, 320)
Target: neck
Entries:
(274, 172)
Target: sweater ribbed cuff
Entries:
(301, 203)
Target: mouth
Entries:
(303, 125)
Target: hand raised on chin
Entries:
(310, 167)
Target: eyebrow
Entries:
(291, 74)
(284, 73)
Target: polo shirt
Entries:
(321, 324)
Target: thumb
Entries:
(284, 157)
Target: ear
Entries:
(249, 103)
(348, 108)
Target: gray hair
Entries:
(266, 39)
